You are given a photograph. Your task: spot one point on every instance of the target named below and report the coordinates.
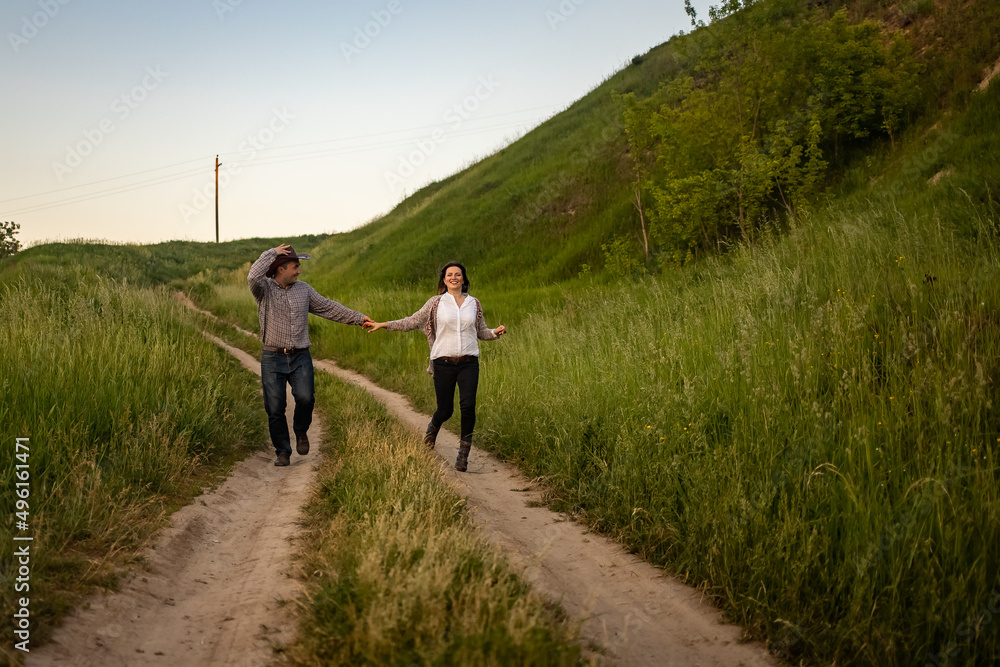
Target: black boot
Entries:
(462, 462)
(430, 437)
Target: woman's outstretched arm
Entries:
(483, 332)
(415, 321)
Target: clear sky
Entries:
(324, 114)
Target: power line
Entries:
(410, 129)
(333, 152)
(106, 193)
(277, 148)
(269, 160)
(105, 180)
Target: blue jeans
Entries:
(277, 369)
(448, 375)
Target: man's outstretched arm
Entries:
(331, 310)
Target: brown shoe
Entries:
(430, 436)
(302, 444)
(282, 460)
(462, 462)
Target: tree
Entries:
(8, 244)
(867, 85)
(745, 134)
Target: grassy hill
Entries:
(540, 209)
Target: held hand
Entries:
(375, 326)
(367, 322)
(500, 330)
(283, 249)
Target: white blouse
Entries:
(455, 328)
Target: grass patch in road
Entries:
(396, 572)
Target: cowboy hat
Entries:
(281, 259)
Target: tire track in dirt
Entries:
(212, 589)
(639, 615)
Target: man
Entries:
(283, 307)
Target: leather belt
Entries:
(284, 350)
(456, 360)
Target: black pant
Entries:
(466, 375)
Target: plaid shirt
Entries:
(284, 313)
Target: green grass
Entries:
(809, 430)
(129, 411)
(396, 572)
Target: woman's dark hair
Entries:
(442, 288)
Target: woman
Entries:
(452, 321)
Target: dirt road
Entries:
(215, 575)
(214, 578)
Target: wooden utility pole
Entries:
(216, 198)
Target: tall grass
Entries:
(809, 428)
(397, 574)
(810, 431)
(125, 405)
